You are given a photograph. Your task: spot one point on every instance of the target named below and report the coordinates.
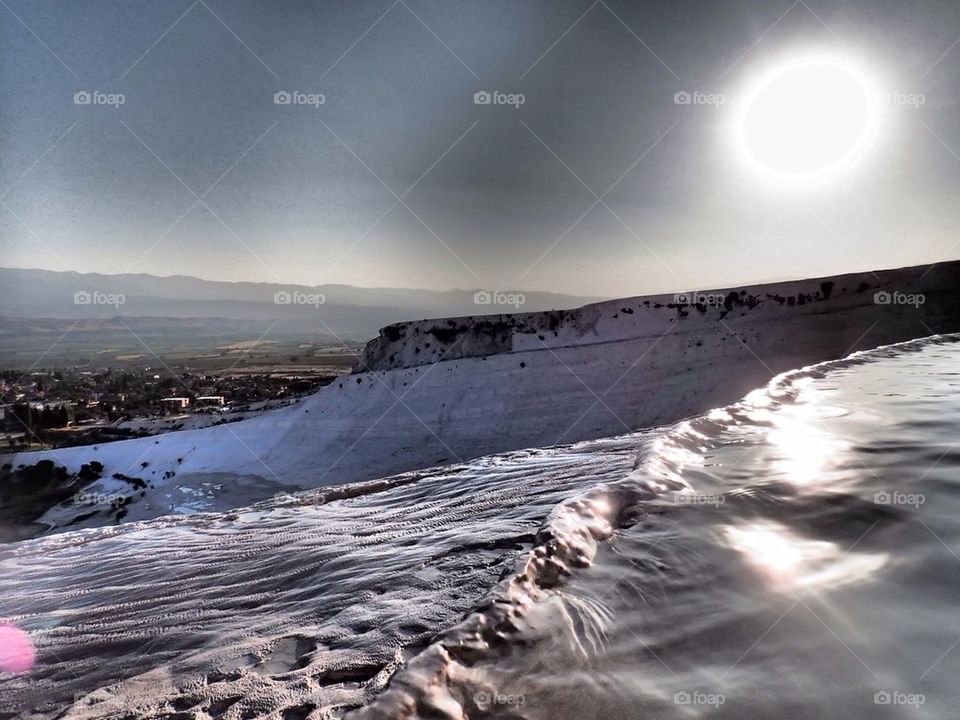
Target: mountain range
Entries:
(356, 311)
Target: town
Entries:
(62, 407)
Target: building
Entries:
(210, 401)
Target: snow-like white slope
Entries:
(491, 384)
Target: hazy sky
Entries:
(200, 172)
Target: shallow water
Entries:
(792, 556)
(307, 601)
(807, 568)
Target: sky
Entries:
(587, 174)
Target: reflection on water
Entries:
(804, 449)
(825, 584)
(806, 565)
(790, 561)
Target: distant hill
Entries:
(352, 311)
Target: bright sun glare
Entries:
(806, 120)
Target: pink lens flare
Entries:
(16, 650)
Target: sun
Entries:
(807, 120)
